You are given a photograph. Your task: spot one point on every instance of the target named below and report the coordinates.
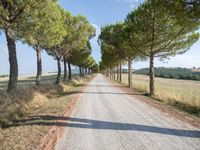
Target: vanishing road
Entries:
(106, 118)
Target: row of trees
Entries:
(44, 25)
(156, 29)
(172, 73)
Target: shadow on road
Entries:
(103, 125)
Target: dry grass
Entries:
(48, 99)
(184, 93)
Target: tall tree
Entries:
(65, 69)
(45, 30)
(77, 39)
(155, 32)
(58, 51)
(10, 13)
(114, 40)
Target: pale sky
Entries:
(99, 13)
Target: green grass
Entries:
(49, 99)
(182, 93)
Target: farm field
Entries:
(168, 90)
(28, 80)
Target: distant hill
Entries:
(174, 73)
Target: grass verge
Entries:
(20, 130)
(182, 94)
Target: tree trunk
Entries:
(151, 75)
(110, 73)
(113, 74)
(117, 72)
(130, 73)
(80, 72)
(59, 70)
(70, 71)
(13, 78)
(85, 71)
(120, 72)
(39, 65)
(65, 69)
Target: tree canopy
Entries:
(45, 25)
(154, 29)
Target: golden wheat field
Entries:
(184, 91)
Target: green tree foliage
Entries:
(109, 39)
(156, 33)
(10, 13)
(44, 25)
(76, 45)
(117, 48)
(46, 30)
(184, 10)
(155, 29)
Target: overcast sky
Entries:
(99, 13)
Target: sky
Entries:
(99, 13)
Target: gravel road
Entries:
(106, 118)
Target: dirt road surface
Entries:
(106, 118)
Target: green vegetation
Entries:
(160, 35)
(173, 73)
(156, 29)
(45, 25)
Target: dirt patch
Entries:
(163, 107)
